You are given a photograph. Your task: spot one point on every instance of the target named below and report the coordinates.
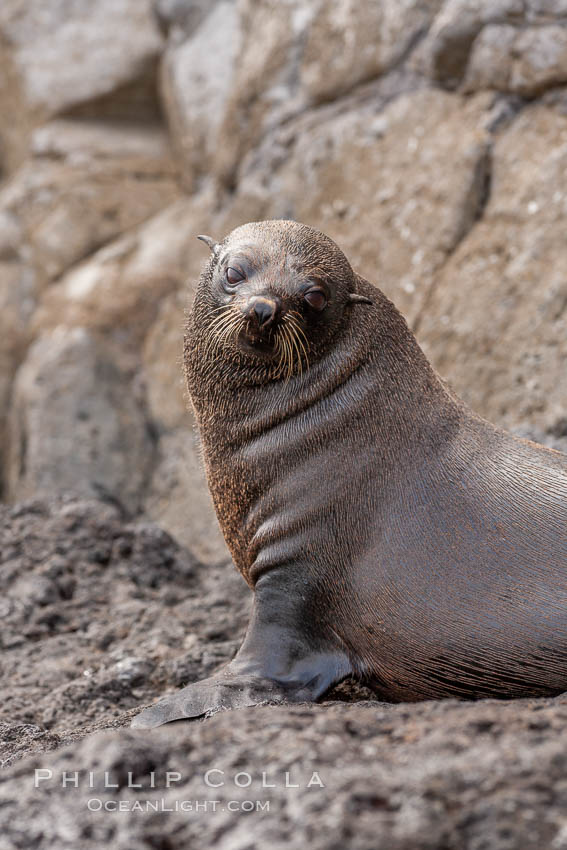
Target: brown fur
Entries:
(438, 542)
(387, 531)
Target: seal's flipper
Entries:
(221, 692)
(279, 662)
(230, 689)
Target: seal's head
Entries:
(273, 295)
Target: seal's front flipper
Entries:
(237, 687)
(221, 692)
(286, 657)
(242, 684)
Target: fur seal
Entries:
(387, 531)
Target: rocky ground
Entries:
(99, 615)
(433, 776)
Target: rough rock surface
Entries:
(91, 442)
(410, 777)
(196, 88)
(298, 54)
(64, 55)
(100, 614)
(85, 183)
(510, 267)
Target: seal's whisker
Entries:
(232, 333)
(227, 316)
(290, 343)
(298, 327)
(222, 327)
(212, 312)
(294, 348)
(278, 356)
(294, 313)
(302, 347)
(295, 355)
(219, 332)
(279, 353)
(289, 350)
(226, 326)
(296, 341)
(228, 331)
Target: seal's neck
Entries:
(370, 406)
(374, 365)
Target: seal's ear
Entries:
(214, 246)
(354, 298)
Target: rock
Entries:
(397, 187)
(63, 56)
(177, 497)
(17, 285)
(179, 18)
(99, 612)
(523, 61)
(76, 423)
(507, 45)
(446, 49)
(117, 293)
(196, 87)
(278, 59)
(551, 8)
(124, 621)
(162, 358)
(121, 286)
(496, 325)
(347, 44)
(132, 671)
(407, 777)
(86, 183)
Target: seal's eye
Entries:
(316, 298)
(233, 276)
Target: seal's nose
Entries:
(263, 311)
